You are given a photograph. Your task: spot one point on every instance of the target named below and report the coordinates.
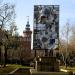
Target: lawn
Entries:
(10, 67)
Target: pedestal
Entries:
(48, 64)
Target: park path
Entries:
(22, 71)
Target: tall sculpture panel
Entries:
(46, 27)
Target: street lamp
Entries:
(67, 34)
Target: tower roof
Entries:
(27, 25)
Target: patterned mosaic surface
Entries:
(46, 26)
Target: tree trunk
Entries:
(5, 55)
(0, 54)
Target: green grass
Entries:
(18, 66)
(11, 67)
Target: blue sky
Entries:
(25, 8)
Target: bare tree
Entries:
(72, 38)
(7, 14)
(13, 29)
(65, 34)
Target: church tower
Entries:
(27, 36)
(26, 43)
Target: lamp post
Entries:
(67, 34)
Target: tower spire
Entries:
(27, 25)
(27, 19)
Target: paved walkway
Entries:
(21, 71)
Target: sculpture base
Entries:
(48, 64)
